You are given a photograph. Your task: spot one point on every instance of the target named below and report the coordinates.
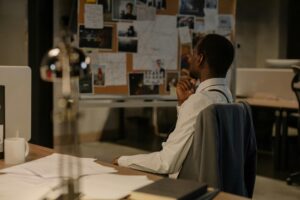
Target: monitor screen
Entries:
(17, 83)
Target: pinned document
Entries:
(93, 16)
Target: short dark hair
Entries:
(129, 4)
(218, 53)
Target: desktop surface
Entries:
(37, 152)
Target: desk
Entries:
(272, 103)
(37, 152)
(282, 109)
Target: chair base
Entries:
(294, 178)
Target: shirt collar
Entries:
(211, 82)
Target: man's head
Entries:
(129, 8)
(212, 57)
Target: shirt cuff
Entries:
(122, 161)
(178, 109)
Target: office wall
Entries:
(260, 31)
(13, 32)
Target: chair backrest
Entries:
(223, 151)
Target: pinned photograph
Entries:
(185, 20)
(127, 38)
(158, 4)
(137, 86)
(86, 84)
(96, 38)
(159, 66)
(226, 24)
(171, 82)
(192, 7)
(107, 9)
(153, 78)
(124, 10)
(99, 75)
(126, 30)
(211, 4)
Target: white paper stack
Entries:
(38, 179)
(49, 167)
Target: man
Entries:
(129, 12)
(211, 60)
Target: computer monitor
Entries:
(17, 83)
(265, 83)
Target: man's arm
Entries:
(169, 160)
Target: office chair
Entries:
(223, 151)
(295, 85)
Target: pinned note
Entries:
(93, 16)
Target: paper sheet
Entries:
(105, 186)
(145, 13)
(24, 187)
(211, 20)
(185, 35)
(226, 24)
(111, 186)
(157, 41)
(199, 26)
(48, 167)
(93, 16)
(115, 67)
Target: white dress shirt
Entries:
(174, 151)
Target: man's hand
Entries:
(185, 88)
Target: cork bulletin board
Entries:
(139, 47)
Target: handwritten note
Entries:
(211, 20)
(93, 16)
(185, 35)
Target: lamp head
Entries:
(53, 63)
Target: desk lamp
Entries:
(64, 66)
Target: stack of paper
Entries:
(37, 179)
(49, 167)
(110, 186)
(25, 187)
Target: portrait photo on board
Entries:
(192, 7)
(126, 30)
(137, 86)
(127, 37)
(124, 9)
(96, 38)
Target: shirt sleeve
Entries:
(169, 160)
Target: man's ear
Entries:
(200, 60)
